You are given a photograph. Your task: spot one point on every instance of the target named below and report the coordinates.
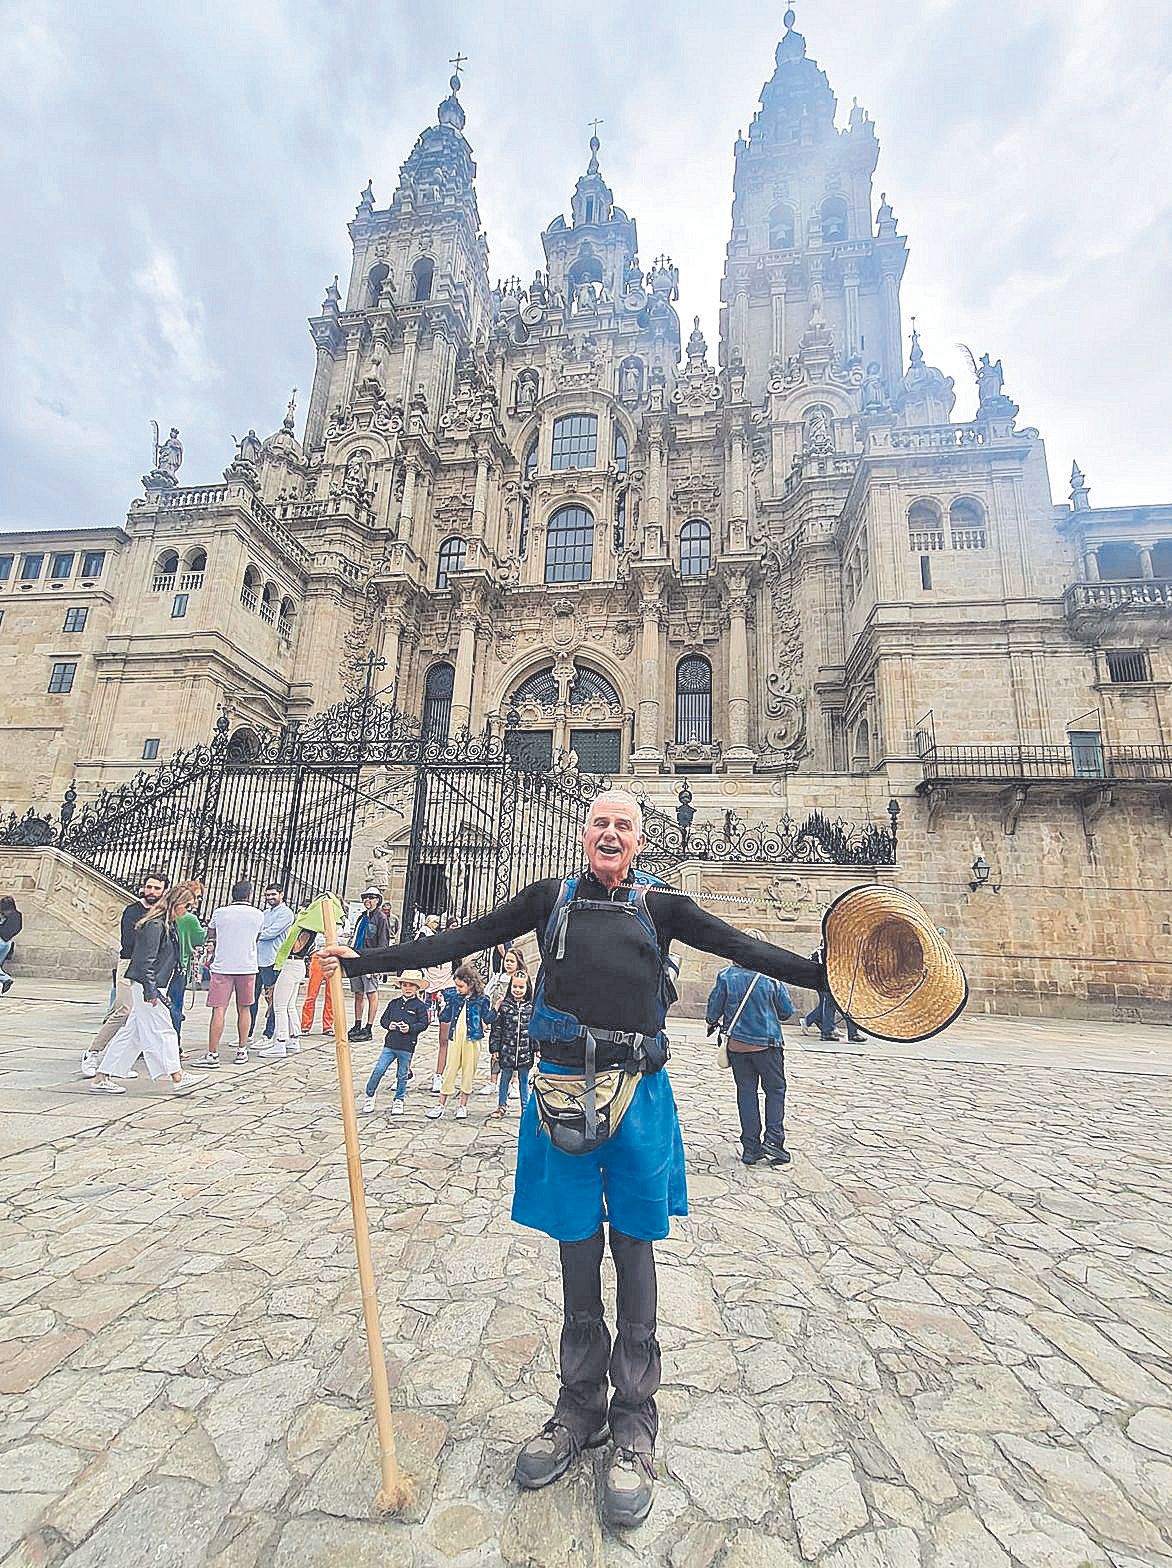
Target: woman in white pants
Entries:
(286, 1009)
(149, 1030)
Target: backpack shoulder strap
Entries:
(557, 913)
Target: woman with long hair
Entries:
(149, 1031)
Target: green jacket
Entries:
(191, 936)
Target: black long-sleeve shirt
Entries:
(676, 918)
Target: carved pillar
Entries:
(1145, 560)
(738, 757)
(740, 322)
(353, 346)
(465, 660)
(315, 420)
(648, 754)
(410, 350)
(851, 287)
(892, 331)
(777, 309)
(407, 509)
(389, 636)
(480, 497)
(738, 493)
(1090, 566)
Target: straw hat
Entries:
(412, 976)
(888, 967)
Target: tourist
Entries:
(154, 885)
(437, 980)
(191, 936)
(510, 1048)
(823, 1016)
(11, 923)
(512, 963)
(232, 931)
(148, 1031)
(372, 931)
(404, 1018)
(278, 918)
(598, 1014)
(289, 968)
(467, 1016)
(317, 982)
(750, 1008)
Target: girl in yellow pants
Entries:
(469, 1016)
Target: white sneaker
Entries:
(461, 1112)
(276, 1049)
(368, 1105)
(292, 1047)
(241, 1056)
(89, 1064)
(210, 1060)
(107, 1086)
(436, 1112)
(396, 1107)
(437, 1084)
(487, 1088)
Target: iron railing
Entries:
(1081, 759)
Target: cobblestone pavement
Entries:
(942, 1338)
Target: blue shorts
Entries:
(635, 1181)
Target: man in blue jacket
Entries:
(751, 1009)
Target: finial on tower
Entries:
(451, 112)
(916, 356)
(595, 144)
(789, 19)
(1080, 496)
(456, 62)
(289, 422)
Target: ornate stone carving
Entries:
(696, 494)
(785, 711)
(698, 389)
(357, 640)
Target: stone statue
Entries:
(526, 392)
(874, 392)
(990, 380)
(249, 449)
(818, 436)
(357, 466)
(169, 456)
(633, 274)
(630, 383)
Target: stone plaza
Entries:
(941, 1338)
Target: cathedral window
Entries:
(925, 523)
(782, 228)
(150, 749)
(285, 617)
(422, 277)
(92, 563)
(861, 751)
(833, 215)
(925, 572)
(375, 279)
(575, 441)
(268, 604)
(31, 567)
(5, 567)
(1118, 562)
(695, 549)
(589, 683)
(620, 451)
(61, 567)
(529, 463)
(523, 541)
(179, 606)
(437, 701)
(452, 555)
(1162, 558)
(250, 588)
(967, 522)
(620, 520)
(540, 688)
(569, 546)
(1126, 666)
(694, 702)
(165, 569)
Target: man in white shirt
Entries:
(233, 931)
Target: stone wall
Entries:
(71, 915)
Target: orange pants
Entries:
(308, 1007)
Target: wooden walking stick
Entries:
(397, 1490)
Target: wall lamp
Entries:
(981, 872)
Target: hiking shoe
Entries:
(89, 1064)
(629, 1489)
(550, 1453)
(354, 1034)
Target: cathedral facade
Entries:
(777, 566)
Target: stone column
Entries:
(647, 758)
(390, 632)
(777, 307)
(892, 331)
(851, 286)
(410, 349)
(315, 419)
(738, 756)
(407, 508)
(480, 499)
(738, 510)
(1090, 566)
(1145, 560)
(465, 658)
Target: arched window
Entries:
(250, 588)
(925, 524)
(285, 617)
(540, 688)
(437, 701)
(833, 216)
(375, 279)
(452, 555)
(589, 683)
(196, 560)
(586, 269)
(569, 545)
(782, 228)
(167, 564)
(529, 463)
(966, 514)
(694, 701)
(620, 451)
(861, 751)
(575, 441)
(268, 603)
(695, 549)
(422, 276)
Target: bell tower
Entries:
(805, 250)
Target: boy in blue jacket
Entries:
(404, 1018)
(752, 1009)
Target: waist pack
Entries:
(562, 1107)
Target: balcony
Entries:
(970, 539)
(249, 599)
(1084, 759)
(172, 582)
(1140, 607)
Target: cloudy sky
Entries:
(176, 180)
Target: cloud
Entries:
(177, 181)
